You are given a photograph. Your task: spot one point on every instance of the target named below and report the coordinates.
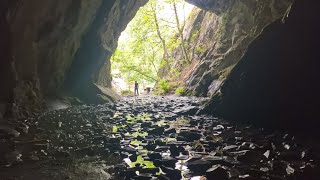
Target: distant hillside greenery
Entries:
(145, 45)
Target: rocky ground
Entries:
(149, 137)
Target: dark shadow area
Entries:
(89, 58)
(277, 82)
(7, 77)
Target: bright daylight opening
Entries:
(145, 46)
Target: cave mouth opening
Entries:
(145, 47)
(267, 83)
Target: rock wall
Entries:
(92, 59)
(257, 60)
(216, 6)
(50, 46)
(275, 83)
(219, 36)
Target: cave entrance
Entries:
(145, 49)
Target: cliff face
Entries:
(219, 36)
(50, 46)
(216, 6)
(257, 60)
(275, 83)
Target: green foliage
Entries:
(126, 92)
(180, 91)
(194, 34)
(164, 86)
(140, 52)
(173, 43)
(200, 49)
(175, 72)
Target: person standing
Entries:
(136, 88)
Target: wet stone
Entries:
(182, 157)
(157, 131)
(162, 148)
(199, 166)
(218, 127)
(133, 157)
(153, 156)
(188, 136)
(175, 150)
(217, 172)
(151, 147)
(146, 124)
(170, 131)
(128, 173)
(250, 156)
(166, 162)
(193, 122)
(214, 159)
(143, 176)
(230, 147)
(140, 138)
(160, 142)
(177, 143)
(171, 173)
(129, 150)
(157, 138)
(163, 177)
(191, 110)
(195, 157)
(114, 140)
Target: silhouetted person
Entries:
(148, 89)
(136, 88)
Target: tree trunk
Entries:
(163, 42)
(180, 30)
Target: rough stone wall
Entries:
(91, 62)
(225, 30)
(276, 82)
(7, 78)
(45, 37)
(216, 6)
(41, 43)
(199, 36)
(122, 12)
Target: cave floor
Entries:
(153, 137)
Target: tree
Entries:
(145, 45)
(153, 7)
(180, 31)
